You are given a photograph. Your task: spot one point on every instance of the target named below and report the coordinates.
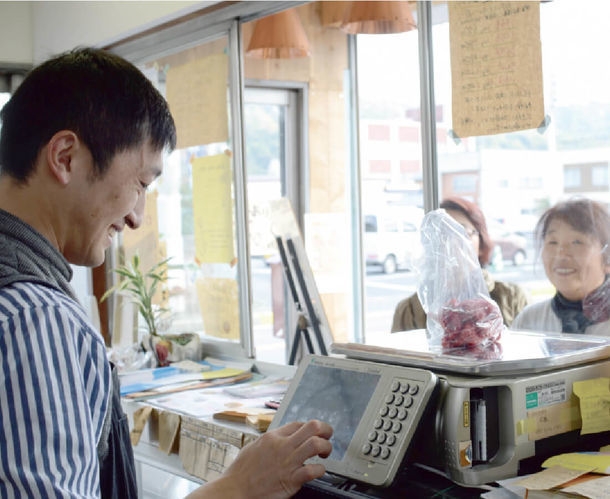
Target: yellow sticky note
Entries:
(594, 395)
(225, 372)
(595, 462)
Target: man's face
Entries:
(573, 261)
(106, 205)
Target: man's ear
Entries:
(61, 152)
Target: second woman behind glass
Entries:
(511, 298)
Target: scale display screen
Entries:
(337, 396)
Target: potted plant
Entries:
(141, 287)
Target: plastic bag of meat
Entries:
(460, 314)
(470, 324)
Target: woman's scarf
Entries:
(576, 316)
(596, 305)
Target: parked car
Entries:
(512, 245)
(390, 242)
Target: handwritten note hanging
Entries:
(213, 209)
(197, 97)
(219, 305)
(496, 67)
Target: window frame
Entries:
(201, 27)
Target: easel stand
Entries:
(302, 331)
(303, 323)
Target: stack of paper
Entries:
(576, 474)
(180, 376)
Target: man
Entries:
(81, 139)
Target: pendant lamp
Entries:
(279, 36)
(378, 17)
(332, 12)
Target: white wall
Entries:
(59, 26)
(16, 32)
(32, 31)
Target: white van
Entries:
(390, 241)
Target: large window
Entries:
(520, 174)
(271, 118)
(513, 176)
(195, 211)
(367, 158)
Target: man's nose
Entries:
(135, 216)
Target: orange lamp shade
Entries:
(378, 17)
(279, 36)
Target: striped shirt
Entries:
(54, 379)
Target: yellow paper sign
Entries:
(594, 397)
(213, 209)
(218, 302)
(597, 462)
(197, 97)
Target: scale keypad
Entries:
(393, 419)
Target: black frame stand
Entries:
(304, 323)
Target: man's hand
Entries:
(272, 467)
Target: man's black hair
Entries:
(101, 97)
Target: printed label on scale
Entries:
(543, 394)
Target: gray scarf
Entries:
(26, 255)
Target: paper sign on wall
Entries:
(213, 209)
(218, 302)
(197, 97)
(496, 67)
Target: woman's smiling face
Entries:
(573, 261)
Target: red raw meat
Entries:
(470, 324)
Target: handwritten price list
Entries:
(496, 67)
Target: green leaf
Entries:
(141, 287)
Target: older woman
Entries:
(574, 237)
(511, 299)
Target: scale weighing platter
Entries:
(517, 352)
